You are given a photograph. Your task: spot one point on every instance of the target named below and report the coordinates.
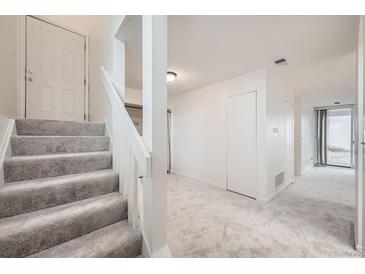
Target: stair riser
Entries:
(26, 145)
(35, 196)
(29, 169)
(43, 232)
(58, 128)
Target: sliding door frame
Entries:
(352, 107)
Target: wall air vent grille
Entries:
(281, 61)
(279, 179)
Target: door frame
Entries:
(350, 106)
(22, 57)
(257, 142)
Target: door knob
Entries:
(30, 79)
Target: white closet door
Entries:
(55, 72)
(241, 144)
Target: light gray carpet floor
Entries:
(311, 218)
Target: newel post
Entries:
(154, 36)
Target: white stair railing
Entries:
(131, 158)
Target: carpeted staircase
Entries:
(60, 197)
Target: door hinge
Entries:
(85, 46)
(84, 81)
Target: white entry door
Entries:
(55, 72)
(242, 144)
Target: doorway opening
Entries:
(53, 71)
(334, 136)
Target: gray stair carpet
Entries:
(58, 128)
(61, 198)
(38, 145)
(116, 240)
(20, 168)
(26, 196)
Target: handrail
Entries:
(142, 155)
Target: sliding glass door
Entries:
(334, 136)
(339, 137)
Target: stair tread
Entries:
(27, 196)
(56, 180)
(42, 229)
(53, 127)
(29, 218)
(116, 240)
(58, 121)
(28, 167)
(53, 156)
(59, 136)
(45, 145)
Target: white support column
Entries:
(154, 29)
(359, 170)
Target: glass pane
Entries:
(339, 137)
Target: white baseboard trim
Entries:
(273, 195)
(163, 252)
(197, 180)
(146, 250)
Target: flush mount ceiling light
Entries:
(171, 76)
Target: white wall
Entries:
(199, 130)
(308, 135)
(280, 144)
(305, 156)
(304, 134)
(133, 96)
(101, 30)
(8, 66)
(101, 52)
(297, 136)
(199, 123)
(77, 23)
(9, 33)
(316, 85)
